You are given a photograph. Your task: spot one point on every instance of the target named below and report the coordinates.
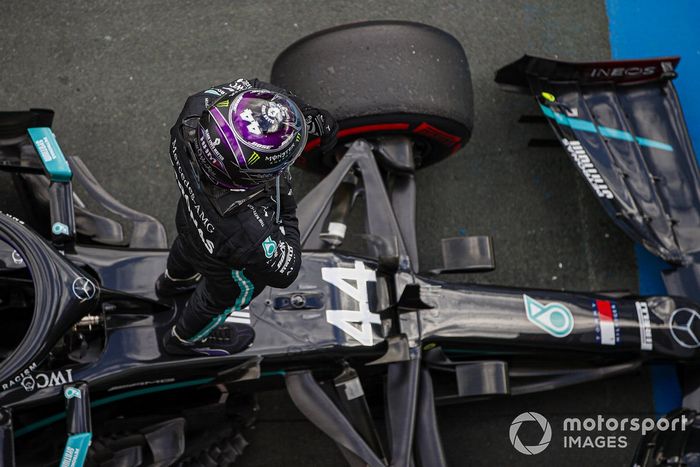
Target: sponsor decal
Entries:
(683, 325)
(269, 247)
(72, 393)
(213, 143)
(45, 149)
(83, 288)
(544, 441)
(272, 158)
(204, 149)
(197, 215)
(236, 86)
(17, 379)
(583, 160)
(76, 450)
(255, 157)
(645, 337)
(34, 381)
(28, 383)
(140, 384)
(223, 103)
(607, 330)
(16, 258)
(554, 318)
(620, 72)
(353, 283)
(275, 157)
(16, 219)
(59, 228)
(285, 258)
(352, 388)
(51, 156)
(429, 131)
(256, 215)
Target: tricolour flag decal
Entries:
(606, 322)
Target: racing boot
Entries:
(227, 339)
(167, 286)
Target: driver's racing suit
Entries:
(231, 238)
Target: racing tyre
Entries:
(382, 78)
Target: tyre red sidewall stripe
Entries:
(371, 128)
(360, 129)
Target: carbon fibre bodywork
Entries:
(354, 315)
(342, 308)
(622, 125)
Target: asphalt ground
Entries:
(118, 72)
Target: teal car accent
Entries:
(269, 247)
(51, 155)
(59, 229)
(76, 450)
(590, 127)
(117, 397)
(246, 295)
(554, 318)
(70, 393)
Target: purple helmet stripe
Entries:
(226, 131)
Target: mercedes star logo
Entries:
(83, 288)
(682, 324)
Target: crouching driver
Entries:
(231, 149)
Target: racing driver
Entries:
(231, 149)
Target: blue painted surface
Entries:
(649, 269)
(666, 388)
(50, 154)
(651, 28)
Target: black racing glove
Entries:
(321, 123)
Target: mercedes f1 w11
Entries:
(84, 378)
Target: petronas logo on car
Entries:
(71, 392)
(269, 247)
(555, 318)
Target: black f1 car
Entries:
(82, 327)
